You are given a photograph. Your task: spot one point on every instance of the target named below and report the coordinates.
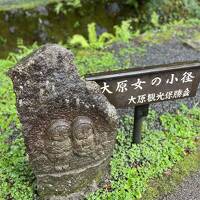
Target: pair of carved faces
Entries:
(78, 136)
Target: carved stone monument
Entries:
(68, 124)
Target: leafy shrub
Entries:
(93, 41)
(122, 33)
(22, 51)
(96, 61)
(155, 19)
(133, 166)
(133, 3)
(16, 179)
(66, 5)
(169, 11)
(193, 7)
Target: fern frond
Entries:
(155, 19)
(92, 34)
(106, 38)
(123, 32)
(79, 40)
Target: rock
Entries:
(28, 13)
(113, 9)
(42, 35)
(6, 17)
(100, 30)
(12, 29)
(192, 44)
(69, 126)
(42, 10)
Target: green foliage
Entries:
(172, 123)
(173, 10)
(28, 4)
(7, 111)
(95, 61)
(168, 10)
(192, 22)
(133, 166)
(79, 40)
(92, 34)
(166, 184)
(65, 6)
(133, 3)
(73, 3)
(16, 179)
(2, 40)
(193, 7)
(94, 41)
(166, 32)
(155, 19)
(22, 51)
(122, 33)
(59, 8)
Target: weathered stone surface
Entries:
(69, 126)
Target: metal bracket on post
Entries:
(140, 113)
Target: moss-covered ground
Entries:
(173, 177)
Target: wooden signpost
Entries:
(139, 87)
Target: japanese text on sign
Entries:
(140, 86)
(122, 86)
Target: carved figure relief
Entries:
(83, 136)
(68, 151)
(58, 143)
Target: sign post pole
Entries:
(140, 113)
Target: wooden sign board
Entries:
(140, 86)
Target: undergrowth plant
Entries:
(96, 61)
(16, 179)
(155, 19)
(66, 5)
(133, 166)
(167, 31)
(2, 40)
(93, 41)
(22, 51)
(193, 7)
(122, 33)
